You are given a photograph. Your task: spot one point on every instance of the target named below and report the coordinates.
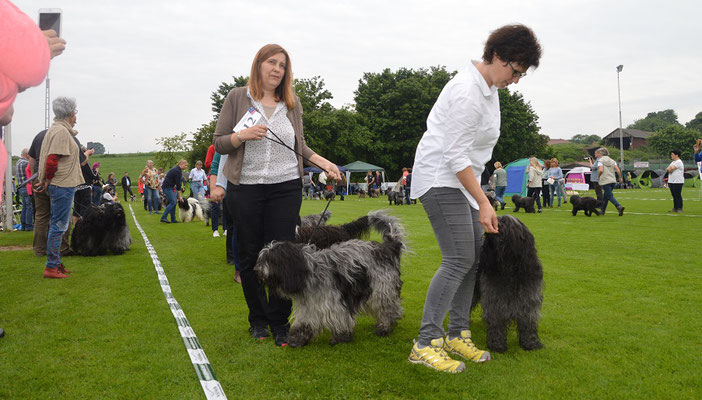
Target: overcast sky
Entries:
(145, 69)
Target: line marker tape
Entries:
(203, 369)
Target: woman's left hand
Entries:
(332, 171)
(488, 218)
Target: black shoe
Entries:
(621, 210)
(281, 338)
(164, 221)
(259, 332)
(175, 222)
(503, 206)
(2, 332)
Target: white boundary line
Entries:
(203, 369)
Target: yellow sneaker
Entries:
(465, 348)
(434, 356)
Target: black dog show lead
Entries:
(280, 142)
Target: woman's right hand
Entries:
(256, 132)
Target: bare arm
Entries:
(488, 218)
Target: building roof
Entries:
(557, 141)
(634, 133)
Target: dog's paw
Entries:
(341, 338)
(497, 348)
(531, 345)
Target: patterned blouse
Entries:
(151, 178)
(266, 162)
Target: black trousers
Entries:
(263, 213)
(676, 191)
(126, 189)
(535, 192)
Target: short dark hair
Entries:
(513, 43)
(676, 152)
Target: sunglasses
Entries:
(516, 73)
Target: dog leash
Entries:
(280, 142)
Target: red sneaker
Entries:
(63, 269)
(54, 273)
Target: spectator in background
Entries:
(378, 181)
(698, 153)
(607, 178)
(500, 182)
(555, 178)
(198, 178)
(151, 187)
(127, 186)
(408, 187)
(27, 214)
(97, 183)
(173, 190)
(534, 184)
(676, 179)
(307, 186)
(370, 180)
(594, 172)
(59, 174)
(545, 187)
(112, 182)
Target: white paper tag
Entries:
(249, 119)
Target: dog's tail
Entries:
(204, 203)
(388, 226)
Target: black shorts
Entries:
(81, 201)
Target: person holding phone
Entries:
(265, 178)
(462, 130)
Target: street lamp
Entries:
(621, 138)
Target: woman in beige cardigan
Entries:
(264, 177)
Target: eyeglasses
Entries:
(516, 73)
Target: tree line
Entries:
(382, 127)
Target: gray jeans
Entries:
(459, 234)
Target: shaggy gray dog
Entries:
(101, 229)
(330, 287)
(509, 284)
(527, 203)
(312, 219)
(588, 204)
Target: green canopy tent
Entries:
(360, 166)
(517, 177)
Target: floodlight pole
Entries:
(621, 138)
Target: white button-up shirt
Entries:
(462, 129)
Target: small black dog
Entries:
(509, 284)
(313, 219)
(588, 204)
(324, 236)
(101, 229)
(527, 203)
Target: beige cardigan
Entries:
(235, 106)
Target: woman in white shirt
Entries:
(676, 179)
(462, 130)
(534, 184)
(197, 180)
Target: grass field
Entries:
(621, 317)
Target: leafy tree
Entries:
(393, 108)
(695, 123)
(99, 148)
(219, 95)
(519, 130)
(312, 94)
(201, 141)
(674, 137)
(656, 121)
(569, 152)
(172, 150)
(585, 139)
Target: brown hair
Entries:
(547, 164)
(284, 91)
(513, 43)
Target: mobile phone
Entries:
(50, 18)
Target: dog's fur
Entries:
(509, 285)
(191, 208)
(527, 203)
(374, 193)
(326, 235)
(490, 194)
(329, 194)
(330, 287)
(588, 204)
(101, 229)
(361, 194)
(312, 219)
(396, 197)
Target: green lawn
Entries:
(621, 317)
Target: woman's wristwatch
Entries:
(238, 136)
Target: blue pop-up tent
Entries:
(517, 177)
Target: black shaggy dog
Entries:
(312, 219)
(324, 236)
(330, 287)
(101, 229)
(509, 285)
(527, 203)
(588, 204)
